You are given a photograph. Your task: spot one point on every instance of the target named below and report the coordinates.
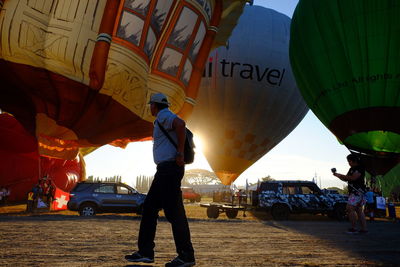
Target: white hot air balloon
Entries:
(248, 99)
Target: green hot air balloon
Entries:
(390, 182)
(345, 56)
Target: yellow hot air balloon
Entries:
(79, 73)
(248, 99)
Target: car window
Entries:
(122, 190)
(81, 187)
(269, 187)
(290, 190)
(108, 189)
(306, 190)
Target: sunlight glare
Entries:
(199, 145)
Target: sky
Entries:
(309, 151)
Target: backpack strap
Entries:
(167, 134)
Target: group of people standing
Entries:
(41, 195)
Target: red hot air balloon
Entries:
(21, 166)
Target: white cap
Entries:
(159, 98)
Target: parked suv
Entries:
(284, 197)
(90, 198)
(190, 194)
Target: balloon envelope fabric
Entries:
(80, 73)
(21, 166)
(346, 60)
(248, 99)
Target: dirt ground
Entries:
(65, 239)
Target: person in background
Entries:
(165, 191)
(30, 201)
(48, 191)
(355, 179)
(370, 198)
(37, 192)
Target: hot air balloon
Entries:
(346, 61)
(21, 166)
(248, 100)
(390, 182)
(79, 73)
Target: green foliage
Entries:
(267, 178)
(199, 177)
(345, 190)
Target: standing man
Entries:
(165, 192)
(370, 198)
(356, 185)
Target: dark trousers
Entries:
(165, 193)
(29, 206)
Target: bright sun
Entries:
(199, 145)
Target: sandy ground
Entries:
(65, 239)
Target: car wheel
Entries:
(192, 200)
(212, 212)
(280, 212)
(340, 212)
(198, 199)
(231, 213)
(87, 209)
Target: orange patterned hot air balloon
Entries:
(79, 73)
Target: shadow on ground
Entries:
(380, 245)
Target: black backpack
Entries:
(189, 144)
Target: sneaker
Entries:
(178, 262)
(136, 257)
(363, 232)
(351, 231)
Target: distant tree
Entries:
(199, 176)
(267, 178)
(115, 178)
(91, 178)
(345, 190)
(143, 183)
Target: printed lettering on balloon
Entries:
(272, 76)
(354, 81)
